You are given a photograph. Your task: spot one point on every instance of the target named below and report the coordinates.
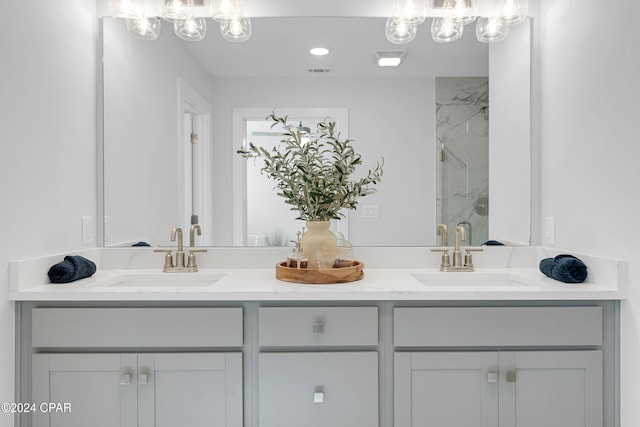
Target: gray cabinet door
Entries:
(99, 387)
(190, 389)
(505, 389)
(145, 390)
(337, 389)
(456, 389)
(551, 389)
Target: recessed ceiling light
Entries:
(389, 59)
(319, 51)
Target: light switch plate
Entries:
(550, 230)
(87, 230)
(371, 211)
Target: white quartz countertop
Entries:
(137, 276)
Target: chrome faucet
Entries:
(458, 264)
(179, 266)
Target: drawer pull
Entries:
(143, 379)
(318, 327)
(492, 377)
(318, 397)
(511, 377)
(125, 379)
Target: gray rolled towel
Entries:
(74, 267)
(565, 268)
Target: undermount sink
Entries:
(471, 279)
(165, 280)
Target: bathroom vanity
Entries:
(405, 346)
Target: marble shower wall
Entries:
(462, 163)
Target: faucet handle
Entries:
(468, 261)
(168, 258)
(446, 260)
(191, 259)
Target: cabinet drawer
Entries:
(337, 389)
(136, 327)
(318, 326)
(497, 326)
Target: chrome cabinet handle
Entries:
(318, 397)
(143, 379)
(492, 377)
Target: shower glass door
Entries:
(462, 165)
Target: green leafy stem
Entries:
(312, 171)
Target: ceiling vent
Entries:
(318, 70)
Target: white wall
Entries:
(47, 147)
(590, 149)
(382, 123)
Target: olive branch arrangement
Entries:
(312, 173)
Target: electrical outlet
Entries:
(371, 211)
(87, 230)
(550, 230)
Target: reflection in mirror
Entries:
(264, 219)
(392, 114)
(462, 166)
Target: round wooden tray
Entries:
(320, 277)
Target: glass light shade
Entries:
(409, 11)
(126, 9)
(490, 30)
(144, 28)
(175, 10)
(236, 29)
(399, 32)
(444, 30)
(191, 29)
(513, 11)
(460, 11)
(224, 10)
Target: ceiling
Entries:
(279, 47)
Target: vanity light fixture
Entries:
(144, 28)
(234, 26)
(319, 51)
(186, 24)
(513, 11)
(390, 58)
(222, 10)
(445, 30)
(191, 29)
(460, 11)
(450, 17)
(411, 12)
(491, 30)
(236, 29)
(399, 32)
(189, 18)
(174, 10)
(126, 9)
